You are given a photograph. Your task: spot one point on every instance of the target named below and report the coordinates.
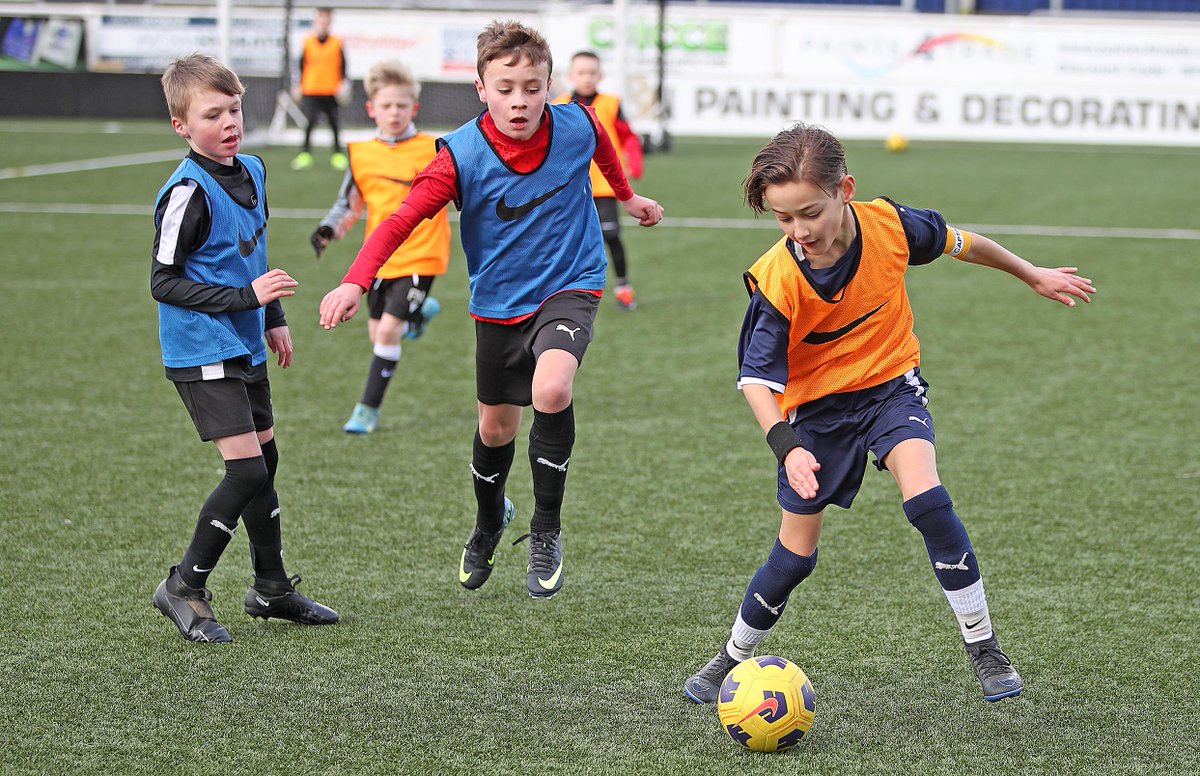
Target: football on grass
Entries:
(766, 704)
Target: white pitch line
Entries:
(83, 209)
(304, 214)
(149, 157)
(1115, 232)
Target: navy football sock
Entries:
(769, 588)
(932, 513)
(953, 559)
(244, 478)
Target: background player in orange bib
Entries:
(584, 75)
(829, 364)
(322, 74)
(381, 174)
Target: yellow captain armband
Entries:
(958, 242)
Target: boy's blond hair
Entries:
(188, 75)
(515, 40)
(390, 72)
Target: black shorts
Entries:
(313, 104)
(229, 406)
(610, 216)
(401, 297)
(506, 354)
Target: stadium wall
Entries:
(748, 70)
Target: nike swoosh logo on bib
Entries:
(400, 181)
(505, 212)
(821, 337)
(246, 247)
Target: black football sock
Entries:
(333, 125)
(261, 518)
(218, 520)
(550, 441)
(489, 470)
(616, 251)
(310, 123)
(379, 375)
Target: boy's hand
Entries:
(321, 238)
(1061, 284)
(274, 285)
(279, 340)
(801, 466)
(645, 210)
(339, 305)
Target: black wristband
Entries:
(782, 440)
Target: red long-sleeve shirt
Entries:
(437, 186)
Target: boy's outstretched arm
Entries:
(801, 466)
(433, 188)
(645, 210)
(1060, 284)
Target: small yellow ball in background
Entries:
(896, 143)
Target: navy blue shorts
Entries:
(841, 428)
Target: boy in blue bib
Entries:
(217, 302)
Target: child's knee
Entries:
(498, 431)
(552, 396)
(389, 330)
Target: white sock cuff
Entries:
(745, 635)
(969, 599)
(390, 352)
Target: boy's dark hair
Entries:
(187, 75)
(515, 40)
(325, 9)
(802, 152)
(585, 55)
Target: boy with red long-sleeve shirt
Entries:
(536, 266)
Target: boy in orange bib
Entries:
(584, 75)
(829, 364)
(381, 174)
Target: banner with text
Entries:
(751, 70)
(928, 76)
